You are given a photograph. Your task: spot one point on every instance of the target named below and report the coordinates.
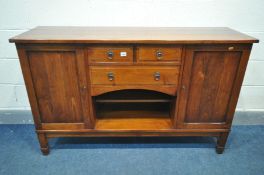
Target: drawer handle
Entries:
(159, 55)
(110, 55)
(110, 76)
(157, 76)
(231, 48)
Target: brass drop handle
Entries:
(231, 48)
(110, 55)
(159, 55)
(157, 76)
(110, 76)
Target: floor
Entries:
(19, 154)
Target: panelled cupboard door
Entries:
(211, 80)
(57, 85)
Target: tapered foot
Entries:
(220, 150)
(221, 141)
(43, 142)
(45, 151)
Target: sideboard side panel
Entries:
(29, 85)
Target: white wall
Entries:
(16, 16)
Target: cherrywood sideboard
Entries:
(120, 81)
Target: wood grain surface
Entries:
(132, 35)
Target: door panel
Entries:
(211, 83)
(208, 80)
(55, 77)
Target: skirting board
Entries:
(25, 117)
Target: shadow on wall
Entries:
(132, 142)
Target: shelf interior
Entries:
(133, 109)
(143, 123)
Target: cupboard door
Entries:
(55, 78)
(211, 82)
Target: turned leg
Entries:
(43, 142)
(221, 141)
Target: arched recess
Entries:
(168, 89)
(135, 103)
(141, 95)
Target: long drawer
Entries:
(134, 75)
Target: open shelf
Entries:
(133, 110)
(143, 123)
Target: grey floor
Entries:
(20, 154)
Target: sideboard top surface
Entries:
(163, 35)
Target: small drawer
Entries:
(110, 54)
(159, 53)
(134, 75)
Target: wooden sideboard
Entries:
(119, 81)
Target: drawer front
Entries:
(159, 53)
(109, 54)
(134, 75)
